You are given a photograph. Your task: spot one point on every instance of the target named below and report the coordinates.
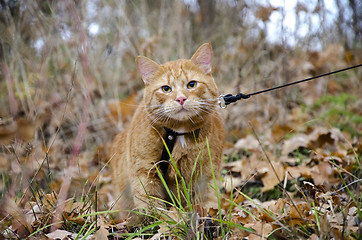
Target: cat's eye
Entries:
(191, 84)
(166, 89)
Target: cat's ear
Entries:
(203, 57)
(147, 68)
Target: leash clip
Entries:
(221, 101)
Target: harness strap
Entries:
(170, 140)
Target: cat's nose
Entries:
(181, 100)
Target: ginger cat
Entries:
(182, 96)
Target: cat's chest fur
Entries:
(180, 139)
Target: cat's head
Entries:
(181, 90)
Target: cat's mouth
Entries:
(182, 111)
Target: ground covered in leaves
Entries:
(292, 157)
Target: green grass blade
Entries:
(155, 224)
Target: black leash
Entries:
(225, 100)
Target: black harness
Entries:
(170, 140)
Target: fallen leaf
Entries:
(19, 224)
(313, 237)
(235, 166)
(101, 233)
(248, 143)
(299, 210)
(295, 142)
(299, 171)
(275, 206)
(319, 138)
(323, 173)
(261, 228)
(59, 234)
(231, 182)
(49, 201)
(272, 178)
(280, 131)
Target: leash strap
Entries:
(225, 100)
(170, 140)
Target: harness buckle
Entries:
(221, 101)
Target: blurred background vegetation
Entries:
(80, 55)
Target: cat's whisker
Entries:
(159, 116)
(140, 124)
(207, 104)
(165, 115)
(154, 116)
(154, 107)
(191, 120)
(195, 112)
(209, 108)
(210, 99)
(209, 111)
(168, 118)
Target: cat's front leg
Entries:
(205, 193)
(147, 191)
(209, 197)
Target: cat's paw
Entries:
(137, 217)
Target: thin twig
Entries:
(349, 184)
(267, 157)
(262, 148)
